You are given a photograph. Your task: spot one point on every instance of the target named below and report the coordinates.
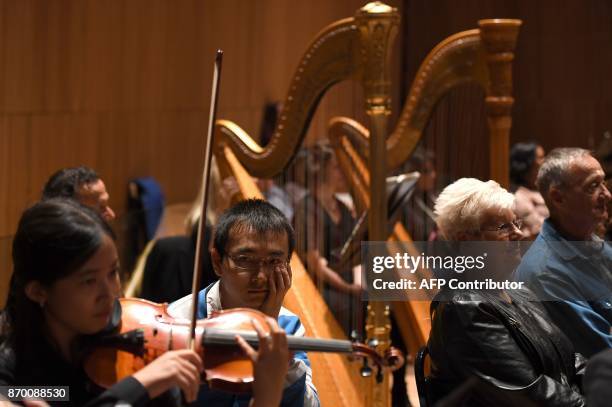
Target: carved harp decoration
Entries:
(350, 48)
(483, 56)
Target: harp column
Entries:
(378, 24)
(499, 40)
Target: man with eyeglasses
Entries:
(252, 245)
(568, 266)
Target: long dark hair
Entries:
(54, 238)
(522, 157)
(317, 158)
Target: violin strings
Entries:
(213, 336)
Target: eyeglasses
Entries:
(250, 263)
(506, 228)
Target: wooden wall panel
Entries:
(5, 255)
(57, 138)
(562, 84)
(19, 79)
(15, 177)
(14, 185)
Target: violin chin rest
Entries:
(106, 366)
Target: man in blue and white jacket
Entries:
(252, 245)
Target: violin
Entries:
(146, 331)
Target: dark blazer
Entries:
(168, 271)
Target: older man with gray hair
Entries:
(568, 266)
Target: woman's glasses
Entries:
(506, 228)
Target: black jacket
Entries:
(168, 273)
(598, 379)
(513, 348)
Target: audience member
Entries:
(525, 162)
(568, 266)
(499, 336)
(82, 184)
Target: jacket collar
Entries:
(210, 300)
(566, 249)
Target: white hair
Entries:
(460, 206)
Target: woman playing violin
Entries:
(63, 293)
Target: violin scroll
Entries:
(393, 358)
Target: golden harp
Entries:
(483, 56)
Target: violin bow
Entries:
(197, 264)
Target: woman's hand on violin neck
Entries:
(270, 363)
(278, 285)
(35, 403)
(27, 403)
(180, 368)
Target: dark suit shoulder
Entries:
(8, 365)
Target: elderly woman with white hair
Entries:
(500, 337)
